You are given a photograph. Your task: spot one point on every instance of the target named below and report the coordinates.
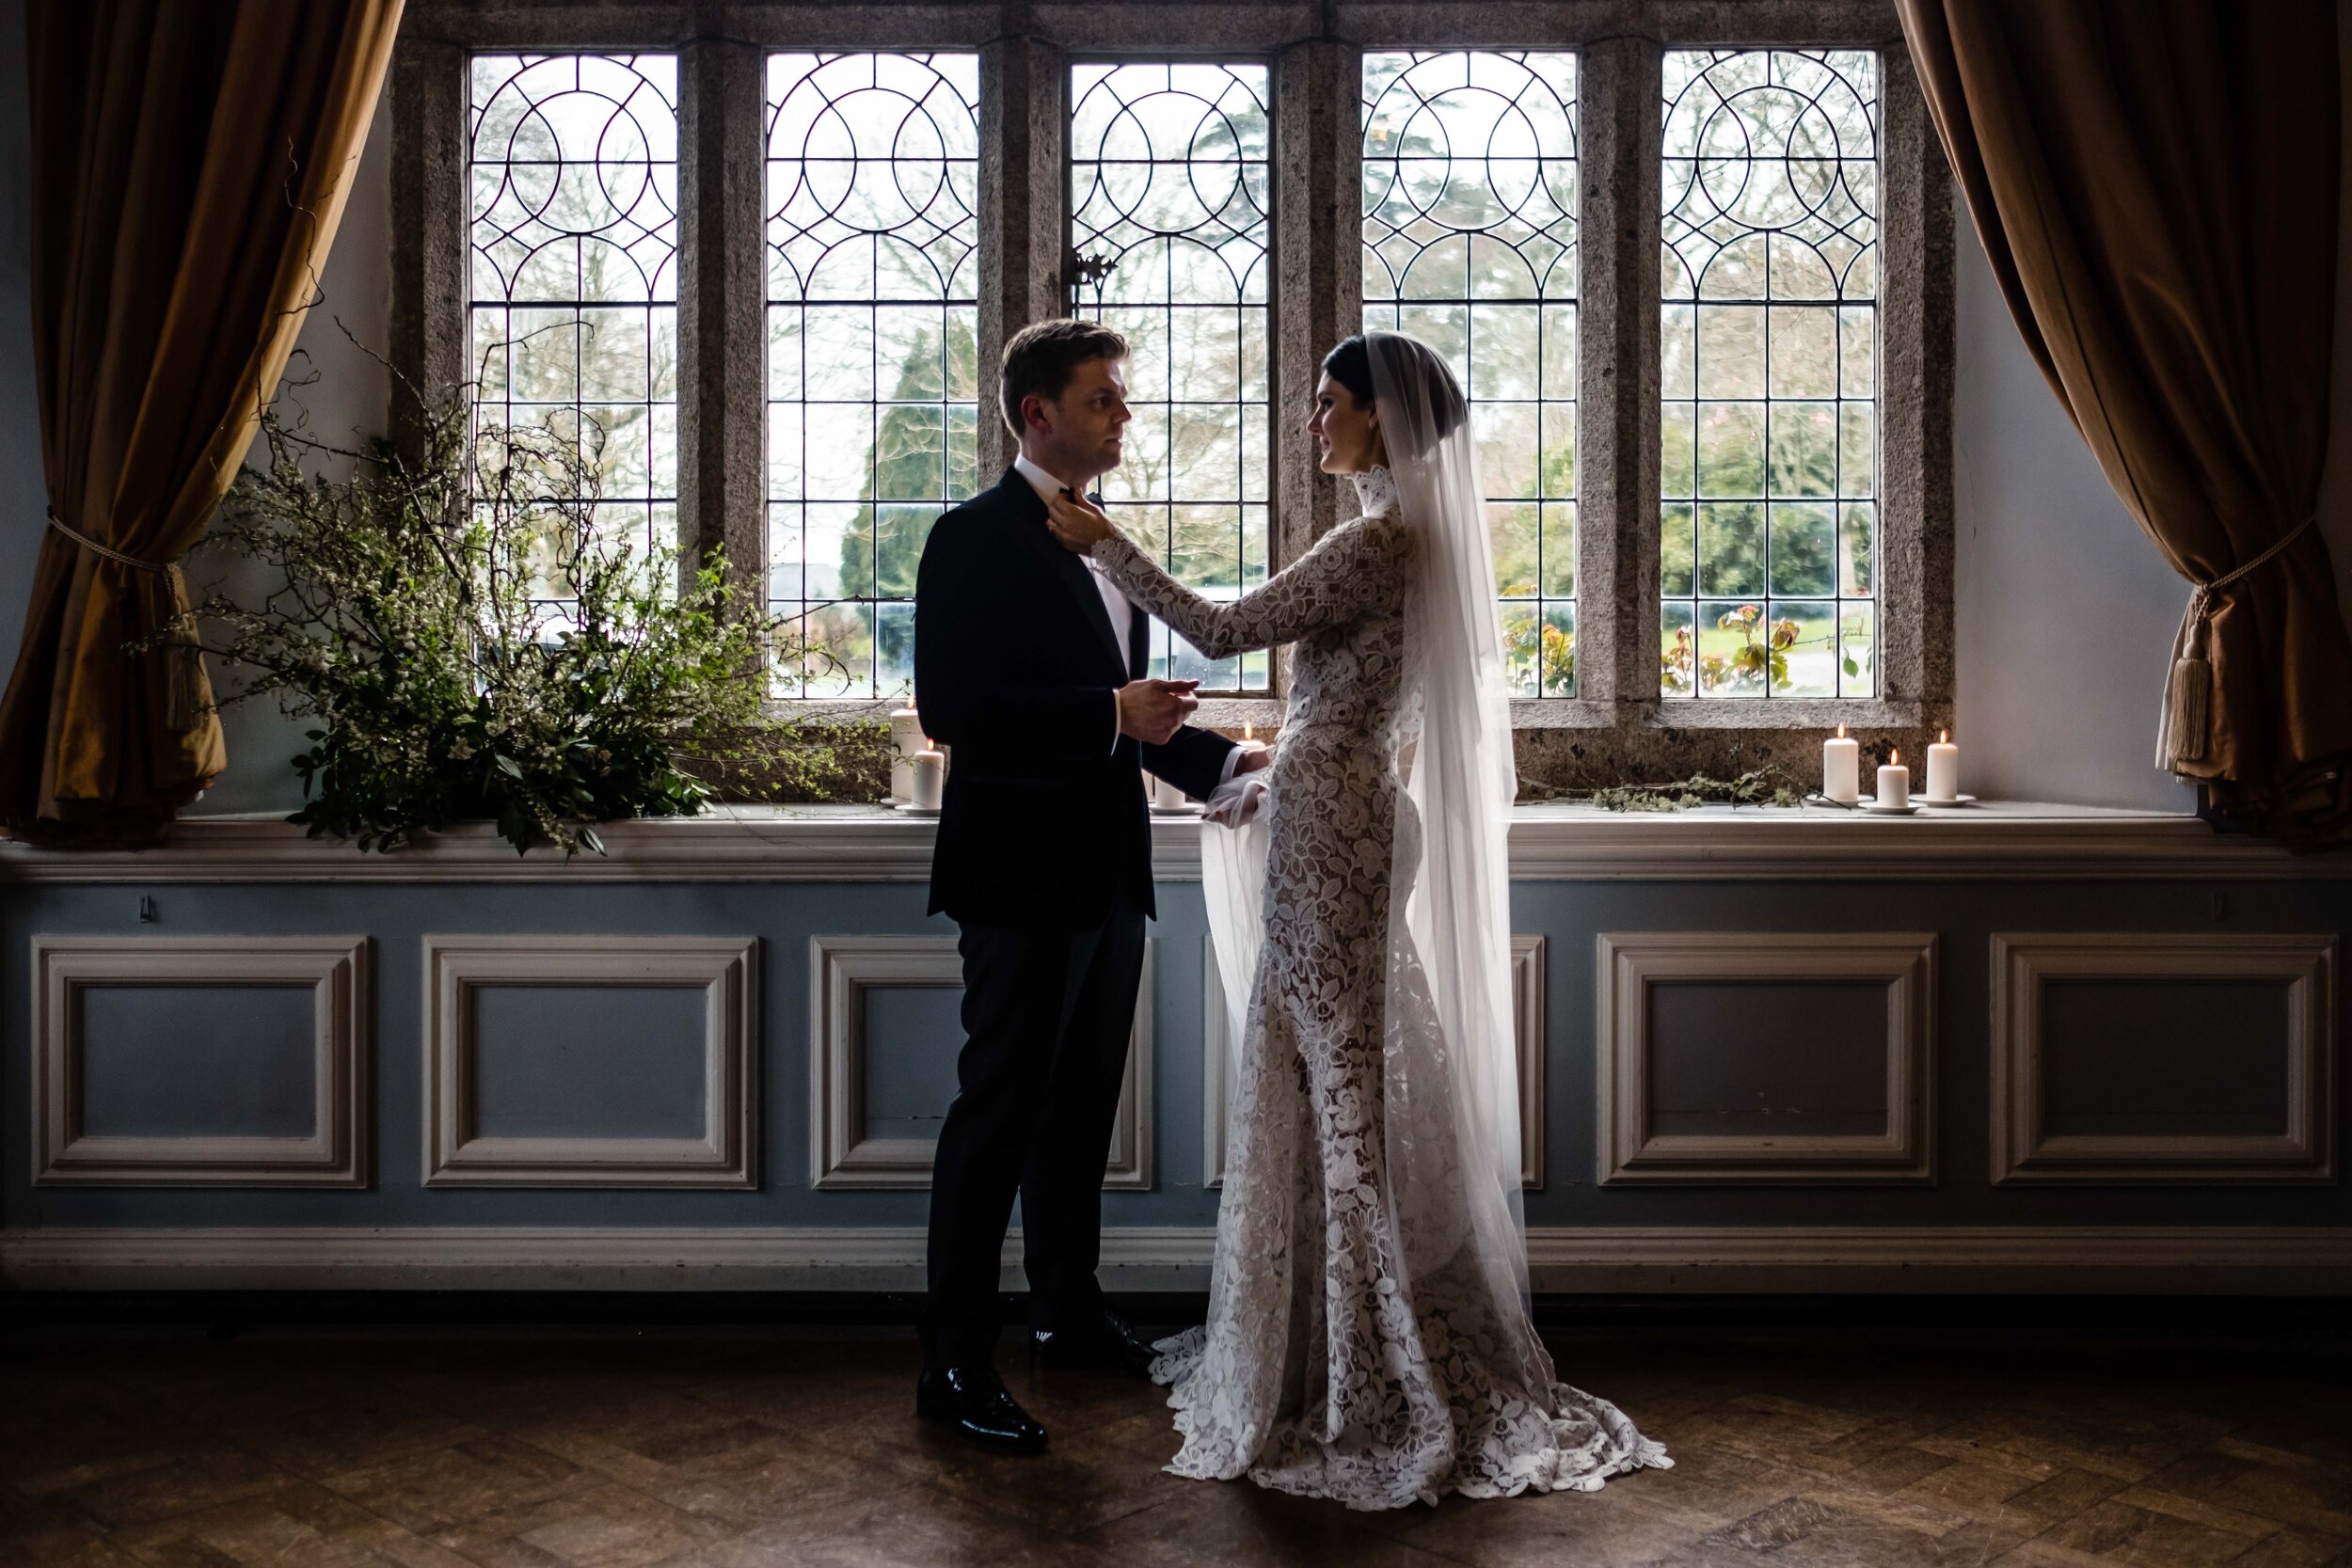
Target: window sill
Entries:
(1793, 715)
(1996, 842)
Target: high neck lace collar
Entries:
(1375, 492)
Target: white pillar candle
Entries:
(1841, 768)
(1165, 794)
(1943, 768)
(930, 778)
(906, 739)
(1894, 782)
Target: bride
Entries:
(1369, 1338)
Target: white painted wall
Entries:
(344, 394)
(2064, 610)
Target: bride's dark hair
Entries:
(1350, 365)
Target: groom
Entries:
(1029, 665)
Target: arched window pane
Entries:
(1769, 511)
(1168, 185)
(1469, 243)
(872, 332)
(572, 175)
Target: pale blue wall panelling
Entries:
(1761, 1058)
(198, 1061)
(2176, 1058)
(587, 1061)
(914, 1041)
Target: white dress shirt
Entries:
(1113, 602)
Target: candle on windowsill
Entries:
(1249, 742)
(1943, 768)
(906, 739)
(1894, 782)
(931, 778)
(1841, 768)
(1164, 794)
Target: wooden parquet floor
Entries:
(745, 1448)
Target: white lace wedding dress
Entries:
(1352, 1351)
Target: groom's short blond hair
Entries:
(1042, 357)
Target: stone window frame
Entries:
(1617, 727)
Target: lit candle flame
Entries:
(1941, 736)
(1842, 731)
(1893, 756)
(1249, 732)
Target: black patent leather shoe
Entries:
(971, 1401)
(1110, 1344)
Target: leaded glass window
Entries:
(1168, 186)
(872, 324)
(1769, 359)
(1470, 245)
(573, 270)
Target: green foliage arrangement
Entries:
(472, 647)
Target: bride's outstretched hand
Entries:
(1079, 524)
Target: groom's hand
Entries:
(1153, 711)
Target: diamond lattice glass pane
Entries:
(1169, 187)
(1768, 366)
(872, 166)
(1471, 245)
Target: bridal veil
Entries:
(1451, 1121)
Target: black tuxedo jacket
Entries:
(1016, 668)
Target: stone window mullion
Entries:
(1024, 214)
(1915, 668)
(1616, 558)
(1318, 273)
(1318, 223)
(722, 405)
(429, 261)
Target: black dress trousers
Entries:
(1047, 1016)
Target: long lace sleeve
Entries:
(1356, 567)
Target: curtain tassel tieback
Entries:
(2186, 729)
(184, 686)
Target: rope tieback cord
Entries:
(2186, 725)
(107, 550)
(184, 691)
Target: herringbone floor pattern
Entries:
(710, 1447)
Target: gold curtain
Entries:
(190, 164)
(2155, 182)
